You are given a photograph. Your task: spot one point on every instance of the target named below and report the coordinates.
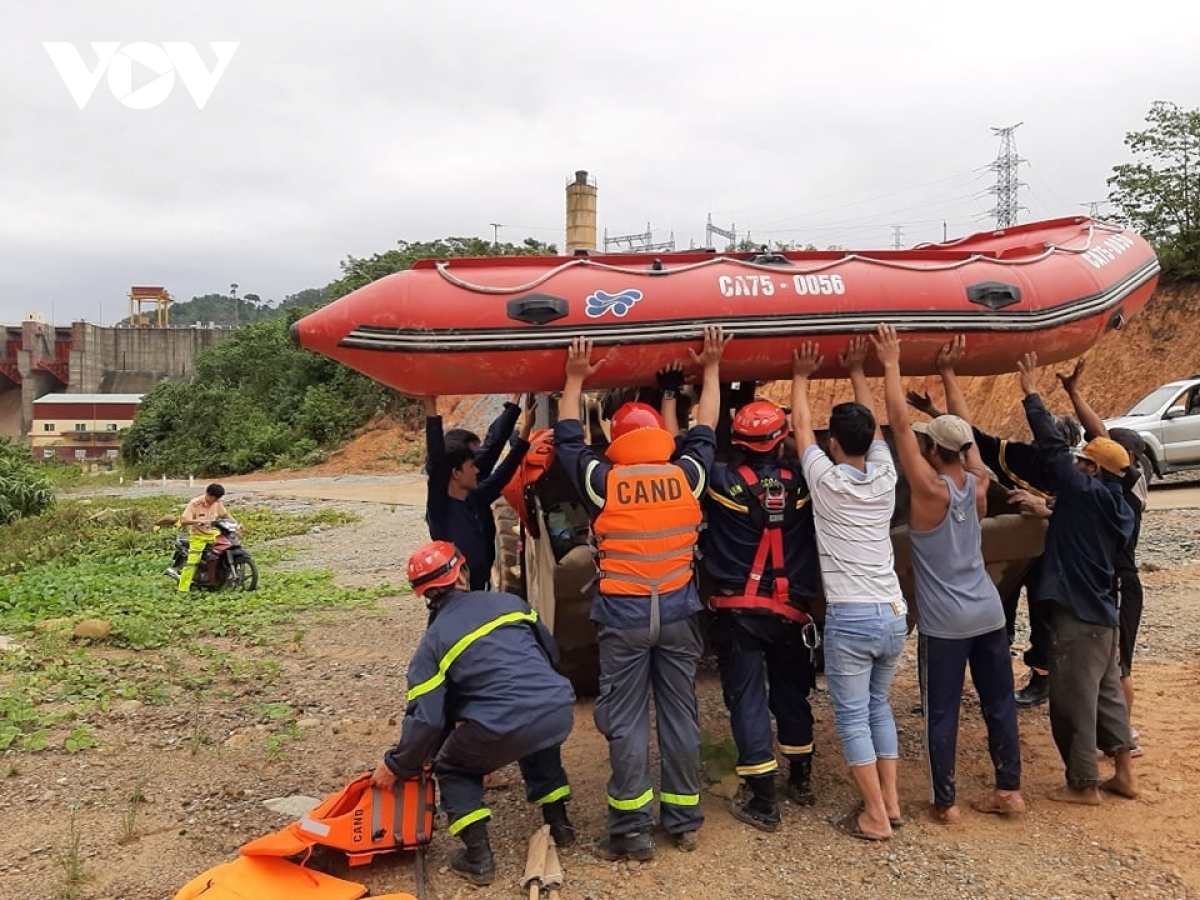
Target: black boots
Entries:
(799, 785)
(1036, 690)
(637, 845)
(475, 862)
(561, 830)
(762, 809)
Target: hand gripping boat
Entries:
(468, 326)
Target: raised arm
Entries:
(1093, 425)
(1054, 449)
(983, 477)
(670, 381)
(923, 403)
(948, 357)
(435, 442)
(579, 369)
(805, 361)
(852, 359)
(922, 478)
(708, 409)
(497, 436)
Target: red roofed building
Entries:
(81, 427)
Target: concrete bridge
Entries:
(37, 358)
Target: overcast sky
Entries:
(337, 129)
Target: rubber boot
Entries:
(555, 815)
(799, 785)
(1036, 690)
(762, 809)
(475, 862)
(638, 845)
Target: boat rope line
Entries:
(443, 266)
(763, 325)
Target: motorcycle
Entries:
(225, 563)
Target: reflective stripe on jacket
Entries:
(646, 531)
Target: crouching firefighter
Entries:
(760, 554)
(482, 685)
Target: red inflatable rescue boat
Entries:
(470, 326)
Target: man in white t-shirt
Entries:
(853, 497)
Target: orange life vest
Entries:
(646, 531)
(534, 465)
(360, 820)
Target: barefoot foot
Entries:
(945, 815)
(1088, 796)
(1000, 803)
(1121, 787)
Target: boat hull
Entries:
(468, 326)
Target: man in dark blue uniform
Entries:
(760, 554)
(459, 503)
(482, 685)
(487, 452)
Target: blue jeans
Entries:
(863, 645)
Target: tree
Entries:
(359, 272)
(1159, 194)
(258, 399)
(24, 490)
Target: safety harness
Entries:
(774, 498)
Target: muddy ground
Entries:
(206, 762)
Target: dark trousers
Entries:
(1038, 654)
(942, 665)
(470, 751)
(632, 664)
(761, 677)
(1130, 598)
(1087, 707)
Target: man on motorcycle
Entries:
(197, 518)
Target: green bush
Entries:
(24, 489)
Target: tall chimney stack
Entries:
(581, 213)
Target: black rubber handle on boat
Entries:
(994, 294)
(537, 309)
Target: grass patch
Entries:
(100, 560)
(70, 859)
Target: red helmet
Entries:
(759, 426)
(632, 416)
(437, 564)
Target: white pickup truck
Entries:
(1168, 419)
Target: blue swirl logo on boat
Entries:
(619, 304)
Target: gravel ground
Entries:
(201, 762)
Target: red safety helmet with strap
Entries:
(437, 564)
(634, 415)
(639, 435)
(759, 426)
(776, 498)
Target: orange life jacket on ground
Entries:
(646, 531)
(360, 820)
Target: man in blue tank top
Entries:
(959, 614)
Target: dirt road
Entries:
(207, 760)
